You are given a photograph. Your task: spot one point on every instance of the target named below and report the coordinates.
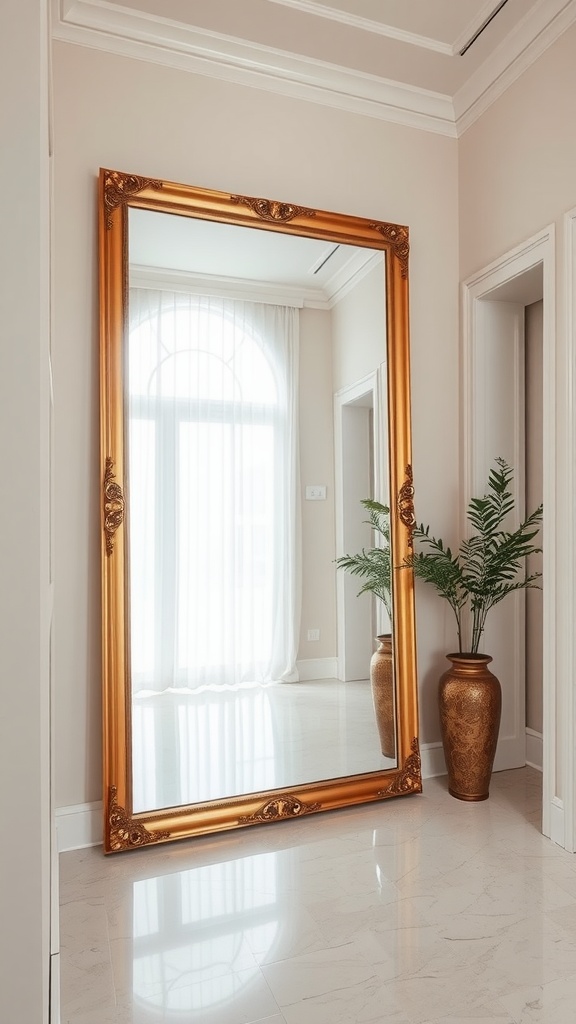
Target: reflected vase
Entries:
(470, 700)
(382, 683)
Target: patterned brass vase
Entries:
(382, 682)
(470, 703)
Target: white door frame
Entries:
(558, 591)
(350, 395)
(567, 363)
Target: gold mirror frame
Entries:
(124, 830)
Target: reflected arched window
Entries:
(212, 490)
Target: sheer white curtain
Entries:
(213, 491)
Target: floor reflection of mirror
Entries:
(408, 911)
(220, 741)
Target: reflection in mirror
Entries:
(254, 389)
(220, 404)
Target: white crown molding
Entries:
(130, 33)
(367, 25)
(538, 30)
(104, 26)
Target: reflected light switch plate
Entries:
(315, 492)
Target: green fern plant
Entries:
(489, 565)
(375, 564)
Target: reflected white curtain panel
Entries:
(213, 491)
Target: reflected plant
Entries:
(374, 565)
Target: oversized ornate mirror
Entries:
(255, 386)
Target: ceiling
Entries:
(397, 60)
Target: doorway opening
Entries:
(361, 471)
(508, 410)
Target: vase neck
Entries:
(469, 660)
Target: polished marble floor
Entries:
(419, 910)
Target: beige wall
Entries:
(111, 111)
(518, 162)
(317, 467)
(517, 176)
(359, 330)
(24, 517)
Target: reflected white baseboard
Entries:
(317, 668)
(534, 749)
(79, 826)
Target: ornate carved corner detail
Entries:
(113, 505)
(273, 211)
(410, 778)
(126, 834)
(280, 807)
(405, 504)
(119, 188)
(398, 238)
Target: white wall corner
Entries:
(79, 826)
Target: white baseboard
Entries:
(433, 763)
(78, 826)
(557, 830)
(534, 749)
(317, 668)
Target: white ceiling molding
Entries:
(99, 25)
(131, 33)
(367, 25)
(538, 30)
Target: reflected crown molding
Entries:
(335, 289)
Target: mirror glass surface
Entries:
(247, 368)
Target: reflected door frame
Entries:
(357, 478)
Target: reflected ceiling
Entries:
(319, 270)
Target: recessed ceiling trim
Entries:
(474, 27)
(537, 31)
(482, 27)
(131, 33)
(367, 25)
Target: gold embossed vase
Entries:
(470, 701)
(382, 683)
